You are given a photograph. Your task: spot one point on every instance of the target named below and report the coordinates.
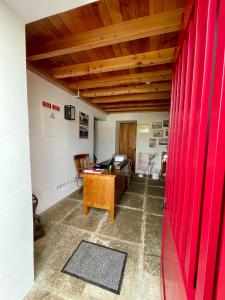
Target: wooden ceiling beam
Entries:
(156, 24)
(122, 80)
(142, 104)
(59, 83)
(135, 89)
(132, 98)
(139, 111)
(135, 109)
(114, 64)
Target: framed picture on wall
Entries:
(83, 125)
(84, 119)
(156, 125)
(165, 123)
(166, 133)
(163, 141)
(152, 143)
(157, 133)
(143, 128)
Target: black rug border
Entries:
(93, 282)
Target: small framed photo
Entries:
(163, 141)
(83, 132)
(84, 119)
(165, 123)
(152, 143)
(156, 125)
(166, 133)
(83, 125)
(157, 133)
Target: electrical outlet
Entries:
(65, 183)
(59, 186)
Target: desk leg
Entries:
(85, 209)
(111, 214)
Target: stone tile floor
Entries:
(136, 230)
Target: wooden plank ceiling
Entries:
(117, 54)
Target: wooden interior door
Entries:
(127, 141)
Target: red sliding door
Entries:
(193, 252)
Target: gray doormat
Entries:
(98, 265)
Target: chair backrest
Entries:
(81, 162)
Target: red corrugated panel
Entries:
(193, 221)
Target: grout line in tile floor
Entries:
(141, 266)
(147, 195)
(101, 222)
(152, 255)
(101, 235)
(145, 213)
(64, 217)
(59, 222)
(131, 208)
(49, 294)
(155, 186)
(116, 239)
(154, 214)
(92, 233)
(133, 193)
(143, 240)
(156, 197)
(96, 232)
(77, 228)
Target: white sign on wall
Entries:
(51, 122)
(143, 128)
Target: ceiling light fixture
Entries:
(78, 94)
(148, 82)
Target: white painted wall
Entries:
(107, 135)
(31, 10)
(54, 144)
(16, 225)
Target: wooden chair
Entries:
(82, 162)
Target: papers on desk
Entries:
(94, 171)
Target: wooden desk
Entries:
(105, 189)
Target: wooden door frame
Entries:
(118, 135)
